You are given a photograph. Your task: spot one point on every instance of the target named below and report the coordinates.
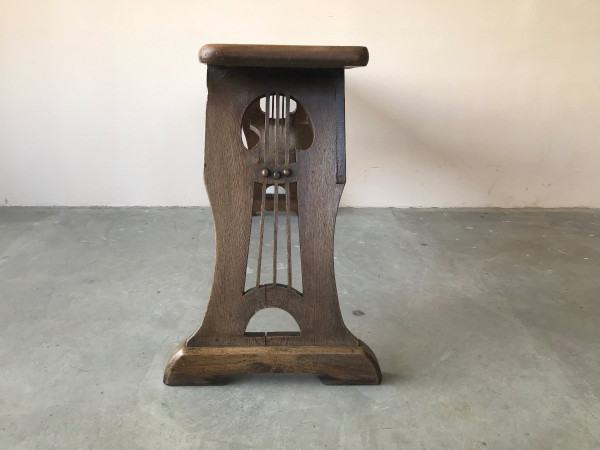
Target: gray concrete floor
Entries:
(486, 324)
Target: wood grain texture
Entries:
(309, 149)
(284, 55)
(203, 366)
(230, 174)
(270, 199)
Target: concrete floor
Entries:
(486, 324)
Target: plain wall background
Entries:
(463, 103)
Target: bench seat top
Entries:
(284, 55)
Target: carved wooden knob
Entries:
(265, 172)
(286, 172)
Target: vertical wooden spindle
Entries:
(287, 129)
(266, 132)
(275, 205)
(261, 232)
(276, 98)
(288, 233)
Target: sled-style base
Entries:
(210, 366)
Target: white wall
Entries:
(464, 102)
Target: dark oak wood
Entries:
(270, 200)
(284, 55)
(230, 173)
(205, 366)
(303, 151)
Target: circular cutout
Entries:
(278, 125)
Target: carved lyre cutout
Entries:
(282, 123)
(274, 127)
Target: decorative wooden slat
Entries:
(261, 232)
(288, 228)
(275, 208)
